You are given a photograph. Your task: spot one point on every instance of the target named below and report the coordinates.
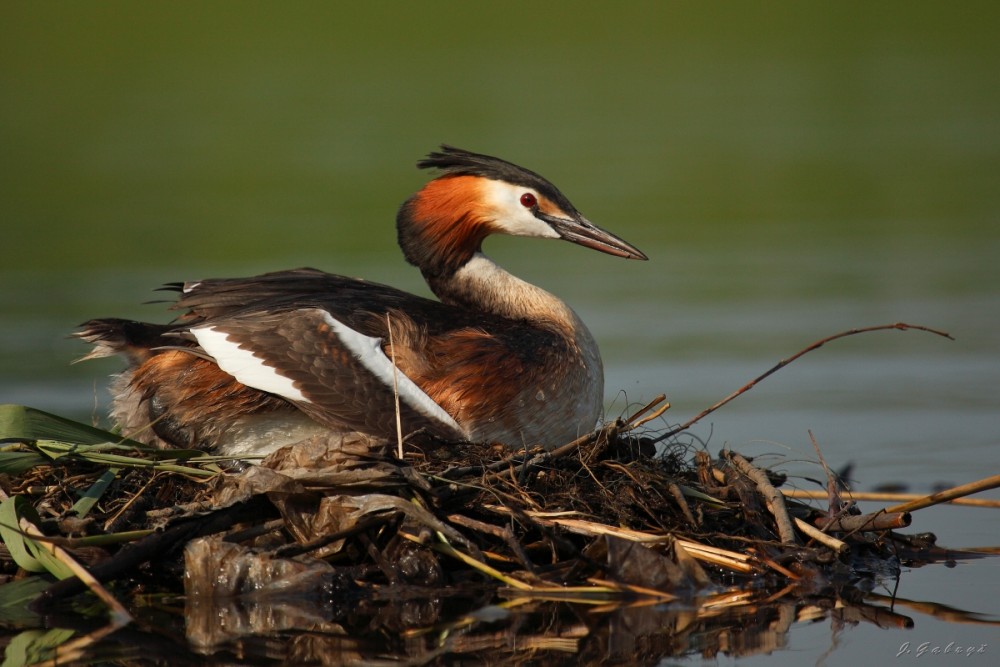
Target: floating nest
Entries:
(400, 543)
(361, 549)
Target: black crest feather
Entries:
(452, 161)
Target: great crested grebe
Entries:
(257, 363)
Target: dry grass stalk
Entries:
(590, 528)
(395, 390)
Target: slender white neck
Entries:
(484, 285)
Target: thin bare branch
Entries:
(898, 326)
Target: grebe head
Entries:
(442, 226)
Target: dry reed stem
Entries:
(723, 558)
(898, 326)
(821, 537)
(691, 545)
(592, 528)
(731, 560)
(851, 523)
(948, 494)
(807, 494)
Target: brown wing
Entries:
(337, 375)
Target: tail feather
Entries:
(136, 341)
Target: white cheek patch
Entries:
(368, 351)
(512, 217)
(245, 366)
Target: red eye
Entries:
(528, 200)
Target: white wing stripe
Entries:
(245, 366)
(369, 352)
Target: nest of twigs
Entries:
(610, 515)
(619, 514)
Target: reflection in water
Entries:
(732, 624)
(400, 625)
